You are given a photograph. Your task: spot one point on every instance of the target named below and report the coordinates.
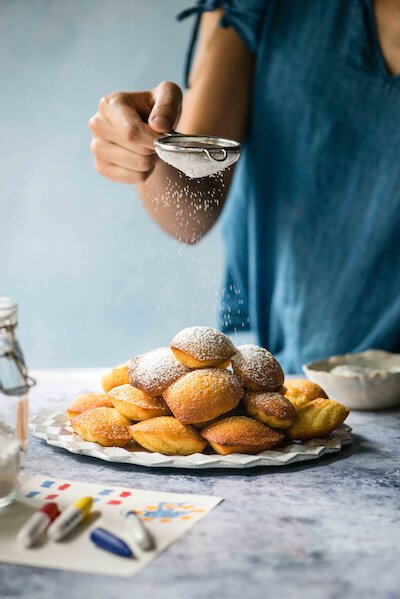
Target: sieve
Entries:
(197, 155)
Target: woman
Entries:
(312, 226)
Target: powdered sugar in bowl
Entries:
(368, 380)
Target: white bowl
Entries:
(366, 381)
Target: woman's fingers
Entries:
(119, 174)
(123, 142)
(119, 159)
(120, 110)
(103, 129)
(167, 99)
(115, 154)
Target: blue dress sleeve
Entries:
(243, 15)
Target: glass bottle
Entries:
(14, 406)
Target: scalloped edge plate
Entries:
(54, 428)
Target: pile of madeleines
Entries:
(200, 391)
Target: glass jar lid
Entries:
(8, 311)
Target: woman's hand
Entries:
(125, 127)
(216, 103)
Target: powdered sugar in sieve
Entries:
(197, 155)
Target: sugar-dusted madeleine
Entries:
(204, 394)
(155, 370)
(136, 404)
(105, 426)
(202, 347)
(88, 401)
(317, 418)
(257, 368)
(302, 391)
(193, 363)
(117, 376)
(168, 436)
(271, 408)
(240, 434)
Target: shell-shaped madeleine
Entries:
(240, 434)
(155, 370)
(270, 408)
(204, 394)
(295, 387)
(105, 426)
(168, 436)
(257, 368)
(202, 347)
(296, 397)
(316, 419)
(136, 404)
(88, 401)
(117, 376)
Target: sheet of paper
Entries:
(167, 516)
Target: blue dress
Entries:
(312, 223)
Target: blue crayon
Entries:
(110, 542)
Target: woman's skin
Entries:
(387, 14)
(217, 103)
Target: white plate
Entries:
(55, 429)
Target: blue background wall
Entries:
(95, 279)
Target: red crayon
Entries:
(37, 524)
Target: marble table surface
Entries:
(326, 529)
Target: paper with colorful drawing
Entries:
(167, 516)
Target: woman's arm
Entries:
(217, 103)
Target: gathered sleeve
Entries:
(243, 15)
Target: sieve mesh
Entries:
(197, 156)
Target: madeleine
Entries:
(240, 434)
(105, 426)
(202, 395)
(270, 408)
(316, 419)
(257, 368)
(168, 436)
(202, 347)
(88, 401)
(117, 376)
(136, 404)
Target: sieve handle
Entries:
(212, 157)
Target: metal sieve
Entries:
(197, 155)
